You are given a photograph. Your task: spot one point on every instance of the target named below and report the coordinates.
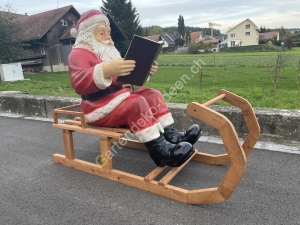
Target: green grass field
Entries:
(250, 75)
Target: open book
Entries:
(144, 52)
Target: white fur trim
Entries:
(92, 21)
(107, 109)
(148, 134)
(166, 120)
(160, 127)
(74, 32)
(99, 79)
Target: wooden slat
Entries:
(212, 159)
(249, 117)
(66, 112)
(231, 180)
(68, 144)
(106, 155)
(212, 101)
(129, 143)
(89, 130)
(206, 115)
(154, 173)
(175, 193)
(205, 196)
(72, 122)
(69, 107)
(232, 144)
(172, 173)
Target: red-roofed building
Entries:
(271, 34)
(195, 37)
(155, 38)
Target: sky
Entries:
(197, 13)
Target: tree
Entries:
(156, 30)
(127, 18)
(179, 42)
(187, 37)
(11, 46)
(181, 27)
(262, 29)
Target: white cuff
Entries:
(99, 79)
(148, 134)
(166, 120)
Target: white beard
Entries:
(105, 50)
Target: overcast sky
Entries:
(227, 13)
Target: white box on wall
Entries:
(11, 72)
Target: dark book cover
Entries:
(144, 52)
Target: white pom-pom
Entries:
(74, 32)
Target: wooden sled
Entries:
(236, 152)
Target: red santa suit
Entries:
(106, 103)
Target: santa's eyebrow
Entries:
(102, 26)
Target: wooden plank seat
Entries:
(236, 155)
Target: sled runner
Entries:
(236, 155)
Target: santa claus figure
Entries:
(94, 65)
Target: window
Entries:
(232, 43)
(232, 35)
(247, 33)
(248, 26)
(42, 50)
(64, 22)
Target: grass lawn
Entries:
(250, 75)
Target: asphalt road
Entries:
(35, 190)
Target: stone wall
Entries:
(278, 126)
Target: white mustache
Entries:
(108, 42)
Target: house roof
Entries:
(221, 37)
(167, 39)
(153, 37)
(194, 36)
(37, 25)
(243, 22)
(268, 34)
(173, 37)
(214, 41)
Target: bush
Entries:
(252, 48)
(195, 47)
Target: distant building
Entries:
(269, 35)
(48, 34)
(243, 34)
(195, 37)
(168, 39)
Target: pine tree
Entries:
(181, 27)
(127, 18)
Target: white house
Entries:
(243, 34)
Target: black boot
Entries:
(191, 135)
(164, 153)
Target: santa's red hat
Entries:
(88, 19)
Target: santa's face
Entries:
(102, 33)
